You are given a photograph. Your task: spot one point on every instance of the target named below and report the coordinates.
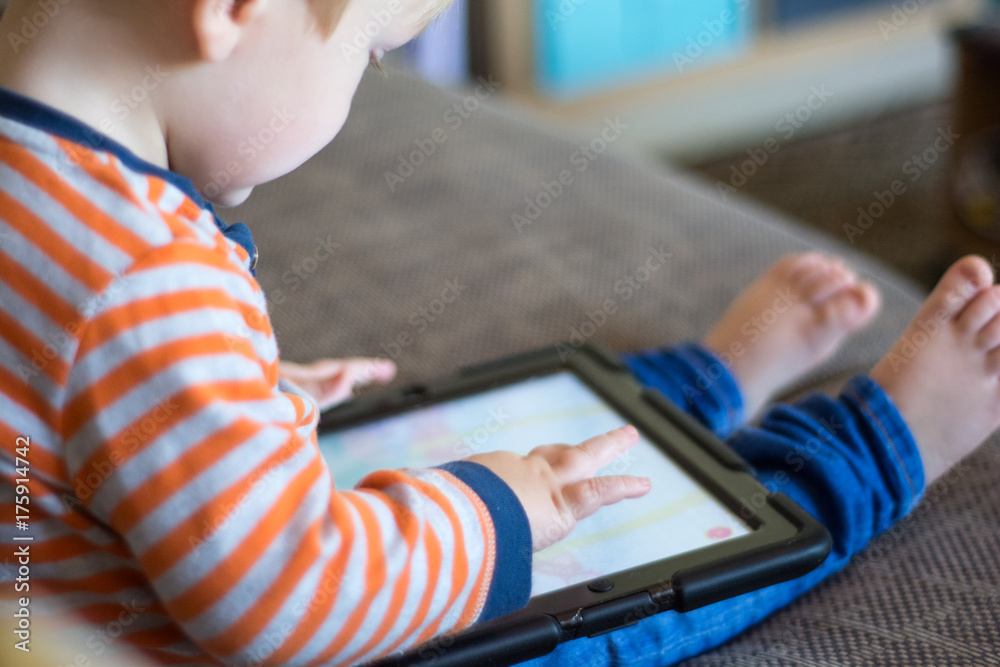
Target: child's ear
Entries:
(219, 24)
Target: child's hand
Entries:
(331, 381)
(555, 483)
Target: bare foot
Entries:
(788, 321)
(943, 373)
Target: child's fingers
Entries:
(384, 370)
(360, 369)
(587, 496)
(353, 373)
(585, 459)
(365, 370)
(332, 381)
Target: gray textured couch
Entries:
(434, 273)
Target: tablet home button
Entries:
(601, 585)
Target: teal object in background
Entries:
(585, 46)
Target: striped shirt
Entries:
(173, 474)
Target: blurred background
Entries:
(877, 121)
(869, 119)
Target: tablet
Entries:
(707, 530)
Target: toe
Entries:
(792, 267)
(868, 301)
(992, 363)
(979, 311)
(960, 283)
(827, 281)
(852, 307)
(988, 337)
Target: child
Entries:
(173, 465)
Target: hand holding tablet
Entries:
(556, 483)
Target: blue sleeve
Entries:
(511, 584)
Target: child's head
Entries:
(235, 92)
(278, 78)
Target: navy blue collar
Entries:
(29, 112)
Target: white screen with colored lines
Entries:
(677, 515)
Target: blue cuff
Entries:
(695, 380)
(899, 458)
(851, 461)
(511, 585)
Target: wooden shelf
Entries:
(865, 64)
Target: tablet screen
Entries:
(676, 516)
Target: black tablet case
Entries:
(786, 542)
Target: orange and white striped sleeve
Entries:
(227, 505)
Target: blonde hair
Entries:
(327, 13)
